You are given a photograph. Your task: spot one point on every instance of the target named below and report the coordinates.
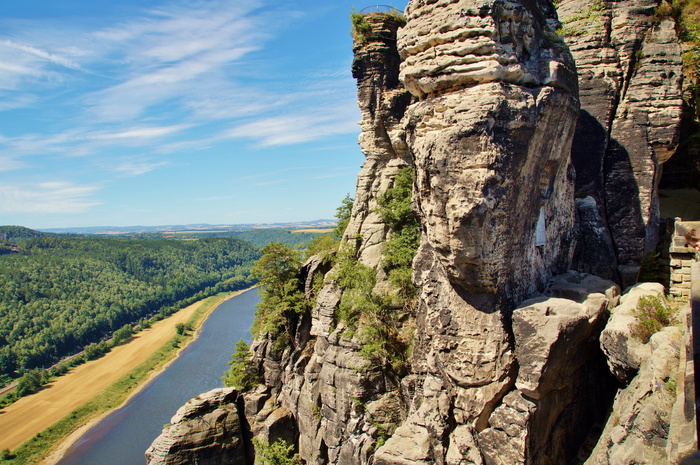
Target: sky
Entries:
(122, 113)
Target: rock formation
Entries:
(207, 430)
(494, 192)
(629, 66)
(653, 417)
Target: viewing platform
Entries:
(388, 9)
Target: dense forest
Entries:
(259, 237)
(59, 293)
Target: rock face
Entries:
(652, 419)
(207, 430)
(629, 68)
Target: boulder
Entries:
(207, 430)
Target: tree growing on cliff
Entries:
(281, 297)
(242, 374)
(276, 453)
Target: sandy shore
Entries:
(30, 415)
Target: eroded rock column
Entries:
(491, 138)
(629, 68)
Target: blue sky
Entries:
(148, 113)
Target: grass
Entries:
(652, 314)
(37, 448)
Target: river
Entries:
(123, 436)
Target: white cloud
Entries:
(168, 54)
(305, 126)
(47, 197)
(139, 132)
(44, 55)
(136, 168)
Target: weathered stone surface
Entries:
(562, 375)
(505, 441)
(383, 101)
(206, 430)
(495, 84)
(638, 428)
(595, 252)
(625, 353)
(629, 70)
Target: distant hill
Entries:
(117, 230)
(14, 233)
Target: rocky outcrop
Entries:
(653, 418)
(494, 192)
(629, 68)
(207, 430)
(383, 100)
(561, 375)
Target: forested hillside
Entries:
(259, 237)
(58, 294)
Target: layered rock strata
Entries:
(487, 117)
(494, 192)
(207, 430)
(629, 68)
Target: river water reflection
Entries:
(122, 437)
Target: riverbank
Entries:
(43, 420)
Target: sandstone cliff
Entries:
(629, 66)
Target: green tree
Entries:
(28, 383)
(242, 373)
(343, 213)
(281, 297)
(95, 350)
(122, 334)
(277, 453)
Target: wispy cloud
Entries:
(295, 128)
(47, 197)
(169, 53)
(43, 55)
(137, 168)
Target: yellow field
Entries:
(311, 230)
(32, 414)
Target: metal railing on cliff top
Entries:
(380, 9)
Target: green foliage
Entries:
(324, 246)
(36, 450)
(360, 27)
(262, 237)
(95, 350)
(242, 374)
(277, 453)
(652, 314)
(401, 247)
(370, 317)
(30, 382)
(60, 294)
(343, 214)
(281, 297)
(687, 16)
(122, 335)
(357, 281)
